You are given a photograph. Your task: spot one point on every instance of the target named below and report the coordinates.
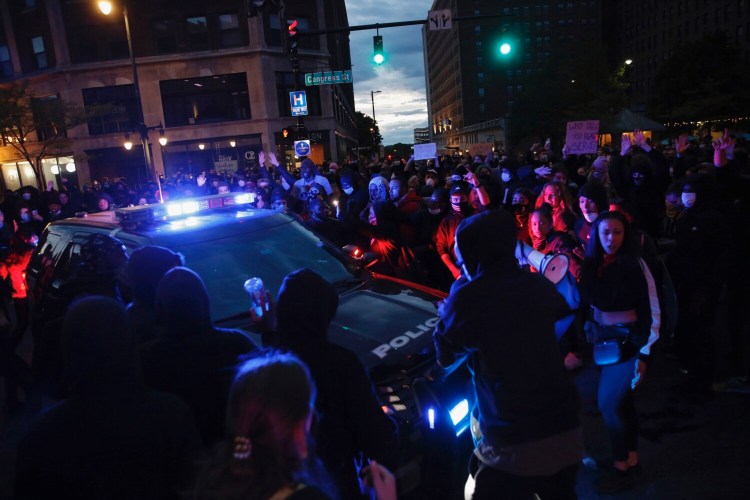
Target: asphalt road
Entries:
(689, 448)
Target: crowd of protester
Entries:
(648, 231)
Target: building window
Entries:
(165, 32)
(480, 76)
(37, 45)
(284, 85)
(208, 99)
(6, 67)
(229, 31)
(481, 91)
(481, 107)
(48, 113)
(114, 109)
(197, 33)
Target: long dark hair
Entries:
(270, 396)
(594, 249)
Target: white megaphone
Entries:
(551, 266)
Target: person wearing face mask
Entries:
(698, 265)
(431, 181)
(353, 199)
(445, 236)
(521, 210)
(672, 209)
(592, 200)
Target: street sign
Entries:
(302, 148)
(440, 20)
(328, 78)
(299, 103)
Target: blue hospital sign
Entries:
(299, 103)
(302, 148)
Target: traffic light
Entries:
(291, 29)
(287, 133)
(377, 50)
(505, 44)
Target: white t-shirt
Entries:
(301, 185)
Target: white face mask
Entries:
(26, 196)
(434, 211)
(505, 176)
(688, 199)
(349, 190)
(430, 182)
(241, 183)
(591, 217)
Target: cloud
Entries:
(402, 105)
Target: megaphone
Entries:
(551, 266)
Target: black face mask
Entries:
(520, 209)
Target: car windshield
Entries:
(225, 264)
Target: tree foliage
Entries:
(702, 80)
(576, 84)
(35, 128)
(368, 132)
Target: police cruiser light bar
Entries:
(186, 207)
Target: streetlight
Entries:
(106, 8)
(372, 98)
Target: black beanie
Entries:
(596, 193)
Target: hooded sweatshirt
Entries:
(112, 438)
(350, 418)
(503, 320)
(192, 358)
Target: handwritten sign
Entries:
(425, 151)
(581, 137)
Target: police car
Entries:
(387, 322)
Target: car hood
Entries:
(390, 333)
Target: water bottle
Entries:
(255, 289)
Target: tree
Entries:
(571, 87)
(35, 128)
(368, 132)
(702, 80)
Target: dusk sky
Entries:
(401, 105)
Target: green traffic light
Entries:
(505, 48)
(377, 53)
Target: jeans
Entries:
(617, 404)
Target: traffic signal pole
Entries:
(362, 27)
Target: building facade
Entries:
(471, 88)
(649, 31)
(215, 80)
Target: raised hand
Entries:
(272, 159)
(639, 138)
(201, 179)
(625, 144)
(681, 144)
(262, 158)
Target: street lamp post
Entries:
(106, 8)
(372, 98)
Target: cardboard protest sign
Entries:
(581, 137)
(425, 151)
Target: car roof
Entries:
(205, 226)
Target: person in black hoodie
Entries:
(528, 437)
(191, 357)
(112, 437)
(349, 418)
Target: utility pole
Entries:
(372, 98)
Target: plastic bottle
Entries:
(255, 289)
